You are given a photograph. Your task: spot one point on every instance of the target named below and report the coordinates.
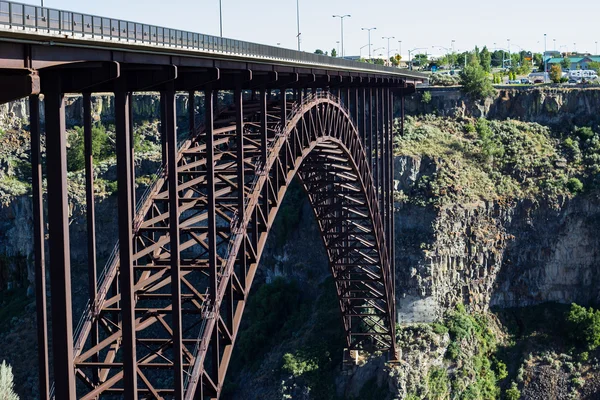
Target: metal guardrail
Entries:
(42, 20)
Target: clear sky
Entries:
(419, 24)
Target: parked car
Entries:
(525, 81)
(538, 81)
(514, 82)
(573, 80)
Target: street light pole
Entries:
(298, 21)
(388, 47)
(545, 60)
(509, 57)
(220, 16)
(360, 51)
(596, 47)
(369, 30)
(341, 17)
(400, 48)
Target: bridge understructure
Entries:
(164, 313)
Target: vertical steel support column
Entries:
(192, 112)
(348, 99)
(382, 157)
(356, 104)
(91, 218)
(171, 120)
(370, 134)
(163, 128)
(283, 100)
(209, 101)
(239, 128)
(60, 259)
(386, 159)
(132, 150)
(377, 171)
(363, 121)
(126, 272)
(263, 152)
(38, 238)
(392, 219)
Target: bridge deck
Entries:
(79, 35)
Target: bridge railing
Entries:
(43, 20)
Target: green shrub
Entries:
(297, 365)
(574, 185)
(438, 384)
(513, 393)
(102, 147)
(584, 133)
(584, 356)
(501, 370)
(584, 326)
(426, 97)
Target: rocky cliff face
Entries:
(549, 106)
(486, 254)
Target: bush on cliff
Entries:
(584, 326)
(476, 83)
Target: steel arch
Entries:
(231, 179)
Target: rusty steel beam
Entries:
(90, 216)
(174, 249)
(60, 259)
(126, 272)
(39, 253)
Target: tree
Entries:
(333, 52)
(497, 57)
(319, 51)
(538, 58)
(420, 59)
(486, 59)
(473, 58)
(395, 61)
(566, 63)
(476, 83)
(555, 73)
(7, 384)
(594, 66)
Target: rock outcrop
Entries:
(549, 106)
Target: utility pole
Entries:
(298, 21)
(388, 47)
(341, 17)
(369, 30)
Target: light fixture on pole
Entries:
(388, 46)
(298, 21)
(341, 17)
(452, 45)
(369, 30)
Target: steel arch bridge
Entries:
(164, 313)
